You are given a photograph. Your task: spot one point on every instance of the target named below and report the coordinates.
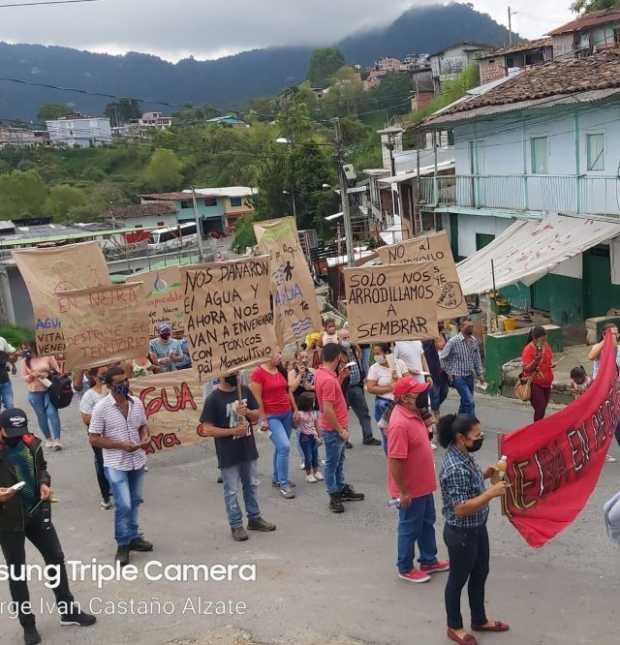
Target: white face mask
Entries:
(381, 359)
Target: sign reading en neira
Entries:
(103, 324)
(228, 319)
(47, 273)
(434, 247)
(389, 303)
(173, 403)
(164, 296)
(296, 306)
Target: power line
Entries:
(38, 4)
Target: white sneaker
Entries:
(106, 506)
(49, 444)
(610, 460)
(318, 476)
(311, 479)
(302, 465)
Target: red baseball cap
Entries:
(408, 385)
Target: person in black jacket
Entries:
(26, 514)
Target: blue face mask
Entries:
(121, 389)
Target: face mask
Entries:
(121, 389)
(468, 332)
(165, 336)
(346, 344)
(231, 380)
(381, 359)
(476, 445)
(12, 442)
(27, 354)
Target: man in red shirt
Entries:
(334, 421)
(412, 479)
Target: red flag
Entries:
(554, 464)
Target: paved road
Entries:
(321, 578)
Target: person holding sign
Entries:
(333, 422)
(118, 426)
(165, 352)
(382, 376)
(271, 389)
(461, 360)
(230, 422)
(466, 510)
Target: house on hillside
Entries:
(423, 87)
(229, 120)
(447, 64)
(496, 65)
(155, 120)
(587, 34)
(20, 137)
(78, 131)
(543, 143)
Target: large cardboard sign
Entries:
(47, 273)
(389, 303)
(295, 303)
(435, 248)
(103, 324)
(555, 463)
(164, 296)
(173, 403)
(228, 318)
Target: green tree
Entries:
(323, 64)
(123, 111)
(164, 171)
(22, 194)
(51, 111)
(394, 93)
(62, 199)
(587, 6)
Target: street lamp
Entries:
(288, 142)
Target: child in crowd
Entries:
(329, 334)
(579, 381)
(309, 436)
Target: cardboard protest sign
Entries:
(47, 272)
(103, 324)
(389, 303)
(296, 306)
(164, 295)
(228, 318)
(434, 247)
(554, 464)
(173, 403)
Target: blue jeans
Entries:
(310, 447)
(417, 524)
(6, 395)
(335, 449)
(280, 426)
(126, 486)
(240, 477)
(47, 414)
(439, 392)
(464, 385)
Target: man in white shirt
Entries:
(411, 353)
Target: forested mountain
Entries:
(225, 83)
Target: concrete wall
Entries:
(469, 225)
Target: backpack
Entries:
(60, 391)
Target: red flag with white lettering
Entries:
(554, 464)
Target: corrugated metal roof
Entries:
(424, 171)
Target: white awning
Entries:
(528, 250)
(425, 171)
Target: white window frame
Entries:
(601, 157)
(534, 158)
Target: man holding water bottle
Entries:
(412, 480)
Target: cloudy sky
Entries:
(213, 28)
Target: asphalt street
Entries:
(320, 578)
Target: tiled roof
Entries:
(522, 47)
(167, 197)
(586, 21)
(562, 77)
(141, 210)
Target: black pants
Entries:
(104, 485)
(41, 532)
(469, 560)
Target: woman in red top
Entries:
(537, 360)
(269, 384)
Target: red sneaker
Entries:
(438, 567)
(415, 576)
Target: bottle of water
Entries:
(394, 502)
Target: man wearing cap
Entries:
(26, 514)
(412, 479)
(165, 352)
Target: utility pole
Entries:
(346, 209)
(509, 27)
(201, 252)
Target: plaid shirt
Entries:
(461, 479)
(461, 356)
